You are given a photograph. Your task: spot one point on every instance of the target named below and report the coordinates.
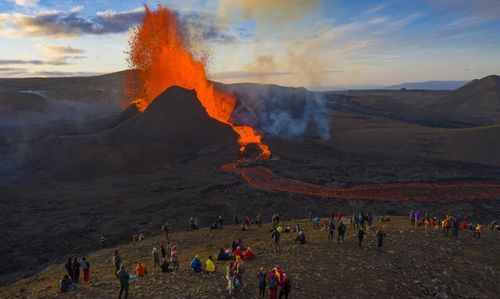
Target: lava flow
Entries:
(159, 53)
(265, 179)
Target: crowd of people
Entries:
(275, 282)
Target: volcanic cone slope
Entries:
(174, 126)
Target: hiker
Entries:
(412, 217)
(477, 231)
(246, 224)
(220, 221)
(69, 268)
(76, 270)
(380, 237)
(341, 233)
(238, 273)
(166, 229)
(230, 277)
(124, 278)
(417, 216)
(156, 257)
(174, 258)
(237, 252)
(276, 237)
(369, 218)
(249, 254)
(102, 242)
(493, 225)
(116, 261)
(234, 245)
(164, 265)
(272, 283)
(223, 255)
(361, 220)
(86, 270)
(285, 286)
(64, 284)
(261, 279)
(301, 237)
(135, 237)
(163, 251)
(168, 250)
(298, 228)
(258, 220)
(195, 264)
(316, 221)
(235, 220)
(331, 229)
(141, 237)
(339, 216)
(361, 236)
(446, 225)
(193, 223)
(209, 265)
(141, 270)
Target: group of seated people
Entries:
(197, 266)
(234, 251)
(66, 284)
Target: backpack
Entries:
(272, 282)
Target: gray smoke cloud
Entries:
(288, 113)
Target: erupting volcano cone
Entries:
(162, 59)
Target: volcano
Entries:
(174, 126)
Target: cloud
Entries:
(55, 23)
(21, 61)
(205, 27)
(26, 3)
(58, 49)
(25, 73)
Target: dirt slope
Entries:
(411, 264)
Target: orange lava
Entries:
(159, 53)
(265, 179)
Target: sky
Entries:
(293, 43)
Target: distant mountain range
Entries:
(427, 85)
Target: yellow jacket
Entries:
(210, 266)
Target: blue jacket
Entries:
(195, 264)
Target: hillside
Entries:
(477, 101)
(411, 264)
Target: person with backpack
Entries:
(285, 286)
(164, 266)
(196, 264)
(163, 251)
(69, 268)
(124, 278)
(261, 278)
(76, 270)
(239, 269)
(341, 233)
(64, 284)
(331, 229)
(86, 270)
(209, 265)
(276, 237)
(116, 261)
(361, 236)
(174, 258)
(272, 283)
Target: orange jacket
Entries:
(141, 270)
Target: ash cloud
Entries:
(287, 113)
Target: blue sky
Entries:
(295, 42)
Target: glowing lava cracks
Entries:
(158, 52)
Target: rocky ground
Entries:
(412, 264)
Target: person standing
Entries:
(102, 242)
(230, 277)
(361, 236)
(259, 220)
(116, 261)
(124, 278)
(174, 258)
(380, 237)
(166, 229)
(276, 238)
(163, 251)
(341, 234)
(76, 270)
(86, 270)
(285, 286)
(477, 231)
(156, 257)
(331, 229)
(69, 268)
(455, 228)
(220, 221)
(261, 278)
(412, 217)
(272, 283)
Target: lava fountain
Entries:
(162, 59)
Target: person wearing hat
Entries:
(196, 264)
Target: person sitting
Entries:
(64, 284)
(209, 265)
(215, 224)
(164, 265)
(222, 256)
(237, 252)
(196, 264)
(141, 269)
(301, 237)
(249, 254)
